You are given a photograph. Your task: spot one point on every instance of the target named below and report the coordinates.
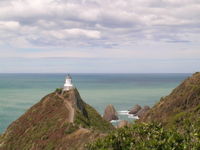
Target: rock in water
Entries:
(58, 121)
(110, 113)
(142, 111)
(123, 123)
(135, 109)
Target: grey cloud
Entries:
(95, 22)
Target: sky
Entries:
(99, 36)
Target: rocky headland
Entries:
(60, 121)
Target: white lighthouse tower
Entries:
(68, 83)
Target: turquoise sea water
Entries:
(20, 91)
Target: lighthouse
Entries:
(68, 83)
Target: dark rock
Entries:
(142, 111)
(110, 113)
(123, 123)
(135, 109)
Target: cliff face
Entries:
(58, 121)
(182, 103)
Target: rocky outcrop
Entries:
(59, 121)
(110, 113)
(135, 109)
(142, 111)
(123, 123)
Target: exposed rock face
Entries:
(183, 101)
(142, 111)
(123, 123)
(110, 113)
(59, 121)
(135, 109)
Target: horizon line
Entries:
(97, 72)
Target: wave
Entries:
(126, 112)
(115, 121)
(133, 116)
(123, 112)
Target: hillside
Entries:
(59, 121)
(173, 123)
(64, 121)
(182, 104)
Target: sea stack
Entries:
(110, 113)
(142, 111)
(135, 109)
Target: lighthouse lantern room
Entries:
(68, 83)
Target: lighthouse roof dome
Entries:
(68, 77)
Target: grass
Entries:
(94, 120)
(71, 128)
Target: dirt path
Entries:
(69, 107)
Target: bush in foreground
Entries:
(144, 137)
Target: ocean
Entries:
(18, 92)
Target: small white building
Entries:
(68, 83)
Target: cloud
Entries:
(74, 32)
(90, 24)
(9, 25)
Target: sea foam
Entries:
(123, 112)
(126, 112)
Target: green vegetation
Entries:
(94, 120)
(59, 90)
(148, 137)
(181, 119)
(71, 128)
(50, 146)
(81, 119)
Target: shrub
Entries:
(144, 137)
(59, 90)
